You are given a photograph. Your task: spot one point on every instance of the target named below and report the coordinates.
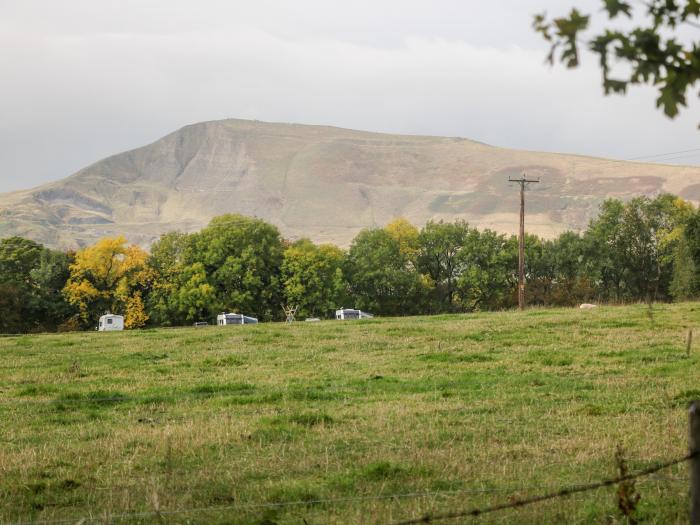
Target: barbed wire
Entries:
(566, 491)
(282, 504)
(163, 477)
(297, 503)
(139, 478)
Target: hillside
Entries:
(348, 422)
(322, 182)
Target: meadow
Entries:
(348, 422)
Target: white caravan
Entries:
(109, 322)
(350, 313)
(225, 319)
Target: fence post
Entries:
(694, 448)
(689, 341)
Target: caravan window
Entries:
(109, 320)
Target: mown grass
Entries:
(324, 421)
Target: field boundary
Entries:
(561, 493)
(427, 518)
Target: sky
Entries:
(84, 79)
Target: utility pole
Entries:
(523, 181)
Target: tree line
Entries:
(641, 250)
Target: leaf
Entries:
(615, 7)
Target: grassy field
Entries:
(347, 422)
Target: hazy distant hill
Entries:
(322, 182)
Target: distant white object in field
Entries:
(109, 322)
(225, 319)
(351, 313)
(588, 306)
(312, 319)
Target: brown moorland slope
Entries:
(324, 183)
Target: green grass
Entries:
(466, 409)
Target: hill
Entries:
(324, 183)
(346, 422)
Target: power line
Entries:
(662, 157)
(664, 154)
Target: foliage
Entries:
(642, 250)
(441, 247)
(312, 278)
(105, 277)
(487, 266)
(691, 239)
(31, 278)
(380, 276)
(630, 247)
(240, 258)
(167, 263)
(194, 297)
(48, 278)
(652, 57)
(408, 237)
(135, 315)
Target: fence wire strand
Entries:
(428, 518)
(281, 504)
(566, 491)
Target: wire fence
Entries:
(563, 492)
(282, 504)
(552, 492)
(512, 503)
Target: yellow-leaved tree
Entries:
(406, 234)
(109, 276)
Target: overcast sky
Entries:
(84, 79)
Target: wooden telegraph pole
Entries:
(523, 181)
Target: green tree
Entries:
(487, 264)
(631, 247)
(691, 237)
(602, 246)
(18, 257)
(684, 284)
(572, 285)
(312, 278)
(440, 244)
(540, 271)
(31, 278)
(241, 258)
(48, 279)
(194, 297)
(166, 262)
(380, 276)
(651, 51)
